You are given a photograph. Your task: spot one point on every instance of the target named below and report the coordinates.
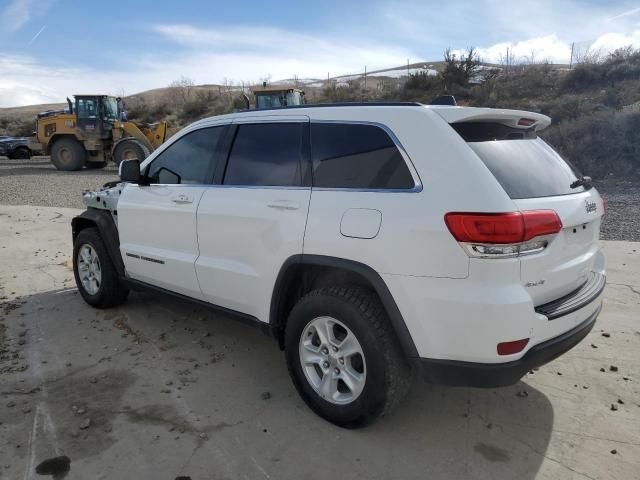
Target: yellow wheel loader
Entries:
(90, 133)
(278, 96)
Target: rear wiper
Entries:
(582, 182)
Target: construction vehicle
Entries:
(278, 96)
(91, 132)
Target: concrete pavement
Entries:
(160, 388)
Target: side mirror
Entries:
(129, 171)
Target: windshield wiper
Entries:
(582, 182)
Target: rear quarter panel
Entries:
(413, 238)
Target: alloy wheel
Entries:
(332, 360)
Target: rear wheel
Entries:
(96, 277)
(130, 149)
(343, 356)
(68, 154)
(21, 153)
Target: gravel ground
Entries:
(622, 220)
(37, 182)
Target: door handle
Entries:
(181, 198)
(283, 205)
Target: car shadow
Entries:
(436, 432)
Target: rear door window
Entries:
(525, 165)
(357, 156)
(267, 154)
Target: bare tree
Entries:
(531, 58)
(506, 59)
(459, 71)
(585, 54)
(181, 91)
(265, 80)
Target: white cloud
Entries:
(551, 48)
(466, 22)
(250, 53)
(26, 82)
(541, 48)
(611, 41)
(205, 55)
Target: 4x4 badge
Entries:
(590, 206)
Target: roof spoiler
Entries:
(510, 118)
(444, 100)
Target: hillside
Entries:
(595, 106)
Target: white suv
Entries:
(372, 241)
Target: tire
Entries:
(95, 165)
(20, 153)
(68, 154)
(109, 290)
(381, 364)
(130, 149)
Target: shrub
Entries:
(601, 143)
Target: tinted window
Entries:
(191, 158)
(87, 108)
(356, 156)
(526, 168)
(489, 131)
(268, 154)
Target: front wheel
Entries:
(343, 356)
(130, 149)
(96, 276)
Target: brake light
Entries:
(503, 234)
(526, 122)
(509, 348)
(486, 227)
(540, 222)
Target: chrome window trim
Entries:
(211, 185)
(417, 187)
(176, 137)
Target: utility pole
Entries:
(506, 63)
(571, 60)
(365, 77)
(407, 67)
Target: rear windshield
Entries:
(524, 164)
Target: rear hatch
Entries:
(536, 177)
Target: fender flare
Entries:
(375, 280)
(108, 231)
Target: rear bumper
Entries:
(471, 374)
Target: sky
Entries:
(51, 49)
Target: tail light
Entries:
(499, 235)
(526, 122)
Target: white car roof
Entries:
(451, 114)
